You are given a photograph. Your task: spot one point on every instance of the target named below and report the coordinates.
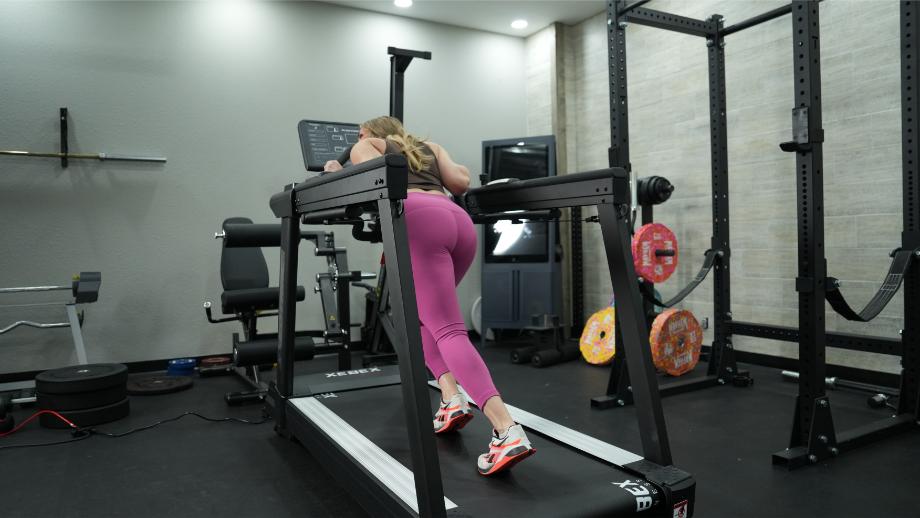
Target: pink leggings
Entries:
(442, 244)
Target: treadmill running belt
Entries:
(556, 481)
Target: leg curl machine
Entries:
(248, 297)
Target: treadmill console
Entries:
(322, 141)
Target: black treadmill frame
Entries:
(380, 186)
(813, 435)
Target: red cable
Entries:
(33, 416)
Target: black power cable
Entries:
(93, 431)
(79, 434)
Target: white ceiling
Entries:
(493, 16)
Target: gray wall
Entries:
(218, 88)
(669, 122)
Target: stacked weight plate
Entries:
(87, 395)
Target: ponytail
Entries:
(390, 129)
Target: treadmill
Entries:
(372, 428)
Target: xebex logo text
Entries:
(642, 493)
(351, 373)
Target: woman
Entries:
(442, 245)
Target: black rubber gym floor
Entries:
(724, 436)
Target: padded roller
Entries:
(241, 235)
(523, 354)
(238, 301)
(548, 357)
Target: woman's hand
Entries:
(332, 166)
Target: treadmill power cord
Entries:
(80, 433)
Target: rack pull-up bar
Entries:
(633, 5)
(757, 20)
(667, 21)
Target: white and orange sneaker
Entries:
(505, 451)
(452, 415)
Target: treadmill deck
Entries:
(556, 481)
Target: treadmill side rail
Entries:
(387, 471)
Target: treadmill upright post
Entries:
(287, 297)
(615, 225)
(408, 345)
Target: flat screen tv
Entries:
(525, 159)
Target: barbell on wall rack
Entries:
(64, 154)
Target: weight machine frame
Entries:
(813, 436)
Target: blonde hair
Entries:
(391, 130)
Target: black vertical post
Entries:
(64, 147)
(909, 401)
(400, 59)
(343, 304)
(578, 273)
(397, 82)
(648, 216)
(618, 387)
(287, 300)
(721, 362)
(615, 225)
(618, 154)
(408, 345)
(812, 411)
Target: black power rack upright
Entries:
(722, 367)
(813, 436)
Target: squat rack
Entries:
(813, 436)
(722, 367)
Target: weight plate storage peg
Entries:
(676, 339)
(655, 253)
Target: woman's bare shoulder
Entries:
(377, 143)
(436, 148)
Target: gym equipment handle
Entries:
(33, 288)
(29, 323)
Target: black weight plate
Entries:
(215, 361)
(153, 385)
(89, 416)
(81, 400)
(81, 378)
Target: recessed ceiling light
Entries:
(519, 24)
(402, 3)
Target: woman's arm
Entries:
(456, 177)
